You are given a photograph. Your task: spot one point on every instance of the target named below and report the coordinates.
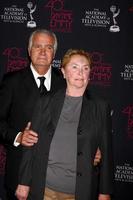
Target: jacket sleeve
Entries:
(7, 132)
(30, 154)
(106, 166)
(25, 170)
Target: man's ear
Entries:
(29, 52)
(53, 56)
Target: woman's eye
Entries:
(86, 68)
(74, 66)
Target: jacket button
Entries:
(79, 174)
(80, 132)
(80, 153)
(50, 134)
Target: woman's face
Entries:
(77, 72)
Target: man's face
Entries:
(42, 51)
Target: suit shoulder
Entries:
(57, 72)
(99, 101)
(14, 75)
(103, 105)
(57, 78)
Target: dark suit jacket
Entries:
(94, 130)
(18, 96)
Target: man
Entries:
(18, 95)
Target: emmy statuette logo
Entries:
(115, 12)
(31, 23)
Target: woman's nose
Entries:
(80, 71)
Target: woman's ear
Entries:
(63, 72)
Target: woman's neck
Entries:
(75, 92)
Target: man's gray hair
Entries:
(44, 31)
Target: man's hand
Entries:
(104, 197)
(22, 192)
(28, 137)
(97, 157)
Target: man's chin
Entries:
(42, 65)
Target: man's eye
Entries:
(37, 46)
(50, 47)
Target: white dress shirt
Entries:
(47, 76)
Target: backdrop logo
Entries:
(13, 14)
(127, 74)
(14, 60)
(115, 13)
(129, 112)
(95, 18)
(101, 73)
(2, 159)
(56, 63)
(31, 23)
(60, 19)
(124, 173)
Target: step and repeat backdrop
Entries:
(103, 28)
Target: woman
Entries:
(74, 126)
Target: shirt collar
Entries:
(47, 76)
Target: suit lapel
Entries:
(84, 110)
(88, 115)
(57, 81)
(89, 121)
(29, 81)
(56, 106)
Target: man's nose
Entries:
(43, 49)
